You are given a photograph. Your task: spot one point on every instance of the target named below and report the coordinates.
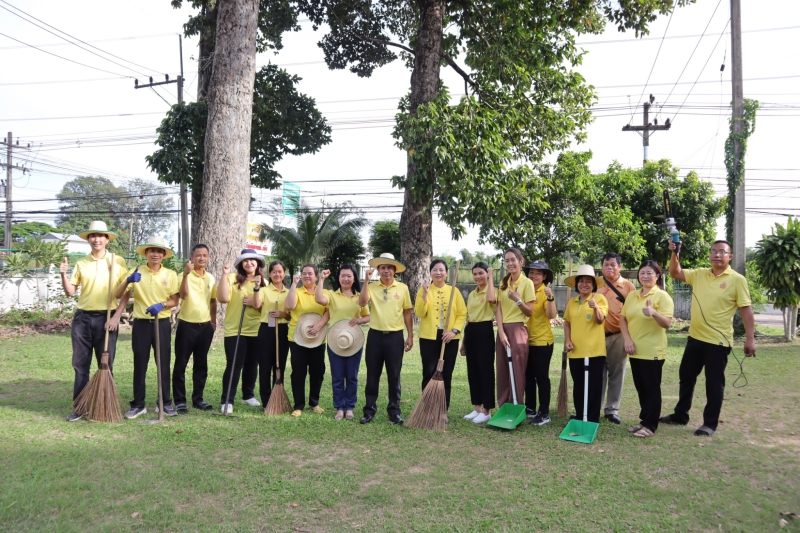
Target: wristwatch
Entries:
(455, 331)
(551, 299)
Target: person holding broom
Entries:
(540, 344)
(345, 315)
(197, 321)
(478, 345)
(89, 325)
(274, 320)
(584, 337)
(156, 293)
(431, 306)
(644, 320)
(390, 310)
(240, 289)
(515, 306)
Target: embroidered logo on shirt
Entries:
(589, 316)
(396, 296)
(164, 282)
(723, 285)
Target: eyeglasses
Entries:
(718, 252)
(385, 295)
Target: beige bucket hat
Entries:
(585, 270)
(155, 242)
(98, 226)
(345, 340)
(387, 259)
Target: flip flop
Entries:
(643, 433)
(634, 429)
(704, 431)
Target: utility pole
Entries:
(10, 183)
(738, 127)
(647, 126)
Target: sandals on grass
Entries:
(643, 433)
(634, 429)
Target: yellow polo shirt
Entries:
(719, 298)
(388, 304)
(478, 309)
(196, 307)
(650, 338)
(433, 312)
(539, 331)
(588, 337)
(252, 316)
(153, 288)
(92, 276)
(306, 303)
(342, 307)
(511, 311)
(270, 295)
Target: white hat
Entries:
(97, 226)
(387, 259)
(585, 270)
(155, 242)
(302, 337)
(345, 340)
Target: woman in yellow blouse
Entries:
(515, 304)
(240, 290)
(644, 320)
(585, 340)
(540, 343)
(431, 307)
(478, 345)
(306, 361)
(273, 320)
(342, 304)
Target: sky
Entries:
(77, 107)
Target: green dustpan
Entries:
(510, 415)
(582, 430)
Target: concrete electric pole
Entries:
(737, 119)
(647, 127)
(10, 183)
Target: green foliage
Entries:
(24, 230)
(43, 254)
(384, 237)
(349, 248)
(758, 295)
(778, 261)
(735, 173)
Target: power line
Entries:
(611, 41)
(653, 66)
(130, 38)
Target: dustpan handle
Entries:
(585, 387)
(511, 373)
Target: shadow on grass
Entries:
(37, 396)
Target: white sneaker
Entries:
(481, 418)
(472, 415)
(230, 408)
(252, 402)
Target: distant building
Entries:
(75, 245)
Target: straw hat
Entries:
(345, 340)
(155, 242)
(302, 337)
(585, 270)
(541, 265)
(248, 253)
(387, 259)
(97, 226)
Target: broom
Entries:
(561, 405)
(431, 409)
(99, 398)
(278, 403)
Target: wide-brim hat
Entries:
(302, 337)
(98, 226)
(155, 242)
(345, 340)
(248, 253)
(585, 270)
(387, 259)
(544, 267)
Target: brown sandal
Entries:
(634, 429)
(643, 433)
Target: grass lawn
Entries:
(203, 473)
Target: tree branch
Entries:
(460, 71)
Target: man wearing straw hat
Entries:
(91, 274)
(156, 293)
(391, 309)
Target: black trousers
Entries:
(597, 366)
(247, 349)
(89, 335)
(537, 373)
(429, 351)
(250, 371)
(696, 356)
(647, 379)
(191, 340)
(310, 362)
(383, 348)
(266, 357)
(143, 339)
(480, 347)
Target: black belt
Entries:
(93, 313)
(387, 332)
(195, 323)
(610, 334)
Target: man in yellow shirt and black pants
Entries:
(155, 294)
(716, 294)
(91, 274)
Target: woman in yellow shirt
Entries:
(644, 320)
(342, 304)
(273, 320)
(240, 290)
(540, 344)
(431, 307)
(515, 304)
(306, 361)
(584, 339)
(478, 345)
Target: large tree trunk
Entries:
(416, 239)
(226, 175)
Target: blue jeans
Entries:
(344, 377)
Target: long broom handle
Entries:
(277, 351)
(233, 362)
(158, 373)
(447, 315)
(569, 295)
(110, 298)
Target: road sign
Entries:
(291, 199)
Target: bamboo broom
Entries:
(561, 404)
(431, 409)
(278, 403)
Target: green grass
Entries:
(203, 473)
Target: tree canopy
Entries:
(384, 237)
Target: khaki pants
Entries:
(517, 335)
(614, 377)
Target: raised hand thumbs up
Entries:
(548, 291)
(592, 303)
(135, 277)
(64, 266)
(648, 310)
